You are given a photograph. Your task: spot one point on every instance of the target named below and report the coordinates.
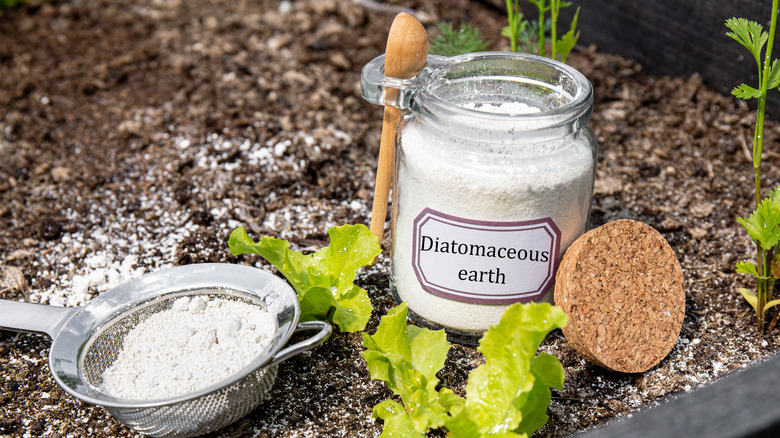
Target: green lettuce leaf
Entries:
(323, 280)
(407, 359)
(398, 424)
(508, 395)
(548, 373)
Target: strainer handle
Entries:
(320, 337)
(29, 317)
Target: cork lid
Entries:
(622, 287)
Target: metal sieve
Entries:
(86, 340)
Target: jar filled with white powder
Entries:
(494, 176)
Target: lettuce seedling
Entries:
(762, 224)
(323, 280)
(509, 394)
(506, 396)
(407, 358)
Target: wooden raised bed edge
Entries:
(673, 37)
(742, 404)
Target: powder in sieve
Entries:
(198, 342)
(508, 183)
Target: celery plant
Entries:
(564, 45)
(519, 26)
(763, 225)
(541, 8)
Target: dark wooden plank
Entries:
(674, 37)
(743, 404)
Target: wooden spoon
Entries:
(405, 56)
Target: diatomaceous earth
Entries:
(474, 219)
(196, 343)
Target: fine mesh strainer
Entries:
(86, 340)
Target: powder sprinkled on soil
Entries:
(196, 343)
(193, 102)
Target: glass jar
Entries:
(494, 176)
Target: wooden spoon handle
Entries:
(405, 56)
(384, 171)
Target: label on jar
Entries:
(484, 262)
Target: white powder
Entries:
(504, 108)
(435, 174)
(196, 343)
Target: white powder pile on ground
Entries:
(112, 240)
(196, 343)
(554, 183)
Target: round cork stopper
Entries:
(622, 287)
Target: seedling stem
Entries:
(763, 225)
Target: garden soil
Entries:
(135, 135)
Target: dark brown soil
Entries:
(135, 135)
